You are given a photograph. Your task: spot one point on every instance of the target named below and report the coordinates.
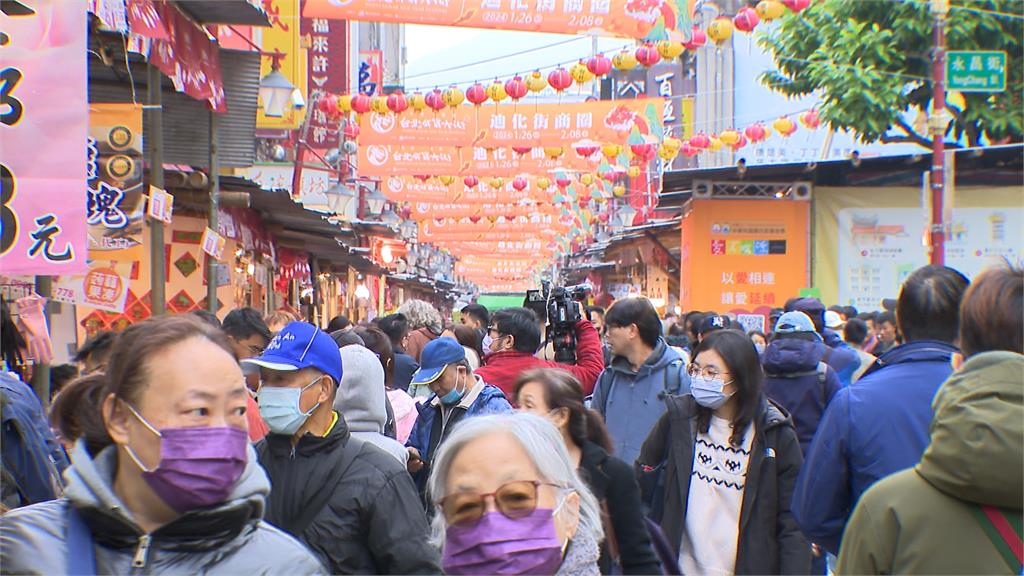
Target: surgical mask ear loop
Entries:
(299, 399)
(558, 508)
(128, 449)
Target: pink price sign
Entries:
(44, 119)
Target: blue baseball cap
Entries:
(435, 357)
(300, 345)
(795, 323)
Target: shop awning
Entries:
(238, 12)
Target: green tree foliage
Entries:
(869, 61)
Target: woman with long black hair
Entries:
(719, 468)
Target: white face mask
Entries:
(486, 344)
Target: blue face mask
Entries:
(708, 393)
(280, 409)
(455, 395)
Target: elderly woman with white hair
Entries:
(509, 501)
(425, 325)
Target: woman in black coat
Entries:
(558, 396)
(719, 468)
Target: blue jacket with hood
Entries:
(632, 402)
(840, 356)
(870, 430)
(792, 381)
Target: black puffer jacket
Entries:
(611, 481)
(373, 523)
(769, 540)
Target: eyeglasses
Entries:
(514, 499)
(706, 373)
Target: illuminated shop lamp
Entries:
(362, 292)
(375, 202)
(275, 90)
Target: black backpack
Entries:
(672, 382)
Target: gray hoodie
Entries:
(230, 538)
(362, 400)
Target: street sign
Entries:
(976, 71)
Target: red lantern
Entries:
(599, 65)
(521, 150)
(700, 141)
(746, 19)
(740, 143)
(644, 150)
(756, 132)
(398, 103)
(422, 177)
(477, 94)
(810, 119)
(562, 182)
(560, 79)
(328, 104)
(648, 55)
(689, 150)
(515, 88)
(361, 103)
(435, 100)
(471, 181)
(796, 5)
(351, 130)
(698, 38)
(585, 149)
(519, 183)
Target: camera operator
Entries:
(515, 336)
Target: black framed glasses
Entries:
(516, 499)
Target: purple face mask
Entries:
(198, 466)
(498, 544)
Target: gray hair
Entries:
(420, 314)
(542, 443)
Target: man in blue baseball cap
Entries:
(457, 393)
(331, 489)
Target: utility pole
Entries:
(937, 124)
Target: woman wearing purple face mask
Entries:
(510, 502)
(170, 483)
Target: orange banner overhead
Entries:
(538, 248)
(519, 125)
(641, 19)
(430, 210)
(383, 161)
(410, 189)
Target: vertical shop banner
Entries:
(371, 72)
(189, 58)
(43, 125)
(327, 73)
(880, 247)
(744, 256)
(284, 37)
(650, 19)
(115, 201)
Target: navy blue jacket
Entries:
(840, 356)
(405, 367)
(793, 382)
(870, 430)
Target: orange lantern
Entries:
(535, 82)
(720, 30)
(624, 61)
(670, 49)
(784, 126)
(729, 137)
(453, 96)
(611, 151)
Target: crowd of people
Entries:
(831, 441)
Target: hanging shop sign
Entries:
(371, 72)
(104, 286)
(411, 189)
(651, 19)
(115, 200)
(327, 71)
(160, 205)
(430, 210)
(284, 37)
(522, 125)
(43, 125)
(189, 58)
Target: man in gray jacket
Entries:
(631, 392)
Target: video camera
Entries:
(559, 305)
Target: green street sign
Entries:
(976, 71)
